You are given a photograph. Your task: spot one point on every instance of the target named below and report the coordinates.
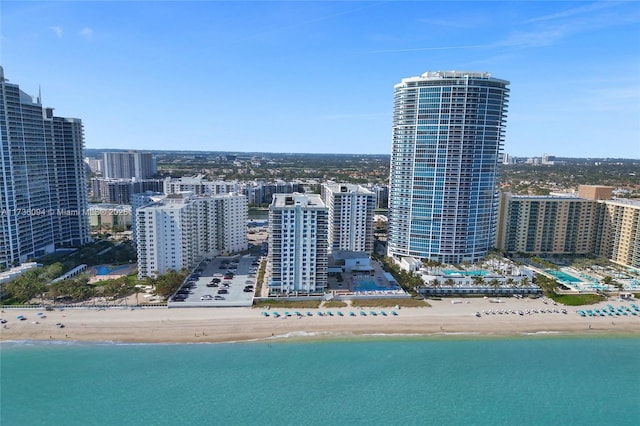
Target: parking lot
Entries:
(222, 281)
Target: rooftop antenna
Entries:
(39, 100)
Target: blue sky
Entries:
(303, 76)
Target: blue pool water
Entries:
(563, 276)
(367, 284)
(105, 270)
(474, 273)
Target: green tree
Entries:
(478, 280)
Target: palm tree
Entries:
(478, 280)
(494, 283)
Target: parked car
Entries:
(219, 298)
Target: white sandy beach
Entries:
(242, 324)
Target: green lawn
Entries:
(577, 299)
(389, 303)
(301, 304)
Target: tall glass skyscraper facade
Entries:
(43, 190)
(448, 132)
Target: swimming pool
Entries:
(368, 284)
(106, 270)
(563, 276)
(473, 273)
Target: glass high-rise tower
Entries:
(43, 190)
(448, 131)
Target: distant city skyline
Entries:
(317, 77)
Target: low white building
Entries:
(350, 261)
(16, 271)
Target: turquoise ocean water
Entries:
(393, 381)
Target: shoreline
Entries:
(443, 320)
(333, 338)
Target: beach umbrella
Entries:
(20, 317)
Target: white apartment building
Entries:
(181, 229)
(298, 243)
(350, 216)
(198, 185)
(139, 200)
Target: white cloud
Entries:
(86, 33)
(57, 31)
(576, 11)
(418, 49)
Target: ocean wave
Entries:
(34, 343)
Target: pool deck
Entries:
(350, 283)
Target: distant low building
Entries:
(119, 191)
(259, 193)
(110, 216)
(198, 185)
